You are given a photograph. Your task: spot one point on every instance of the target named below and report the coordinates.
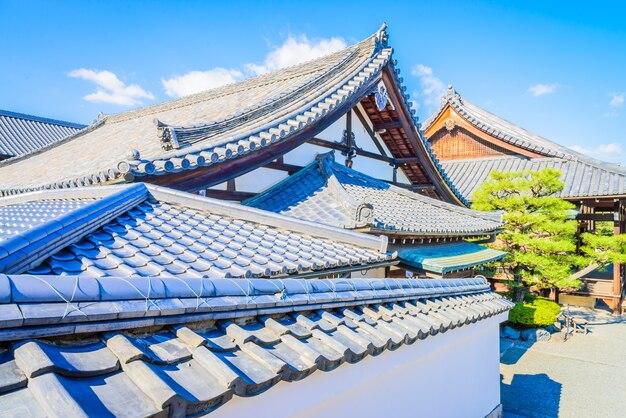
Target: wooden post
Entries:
(348, 138)
(617, 268)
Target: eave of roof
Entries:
(185, 354)
(144, 230)
(583, 176)
(326, 192)
(448, 258)
(240, 136)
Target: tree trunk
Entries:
(518, 288)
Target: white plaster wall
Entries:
(455, 374)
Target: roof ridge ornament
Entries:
(166, 135)
(380, 39)
(450, 92)
(381, 96)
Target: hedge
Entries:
(535, 312)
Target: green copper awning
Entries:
(446, 258)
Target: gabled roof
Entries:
(22, 134)
(329, 193)
(228, 131)
(583, 176)
(190, 347)
(207, 128)
(149, 231)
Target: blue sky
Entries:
(556, 68)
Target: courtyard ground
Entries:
(582, 377)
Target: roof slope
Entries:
(583, 176)
(22, 134)
(148, 231)
(582, 179)
(253, 334)
(330, 193)
(205, 128)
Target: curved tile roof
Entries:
(22, 134)
(583, 176)
(205, 128)
(581, 179)
(139, 231)
(234, 343)
(330, 193)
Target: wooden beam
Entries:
(229, 195)
(595, 217)
(340, 147)
(411, 160)
(369, 130)
(289, 168)
(394, 124)
(427, 165)
(231, 186)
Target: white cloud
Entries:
(613, 151)
(432, 87)
(294, 50)
(542, 89)
(617, 99)
(197, 81)
(110, 89)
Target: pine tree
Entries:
(540, 232)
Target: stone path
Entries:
(583, 377)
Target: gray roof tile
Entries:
(583, 176)
(22, 134)
(330, 193)
(195, 367)
(205, 128)
(130, 232)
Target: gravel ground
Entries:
(583, 377)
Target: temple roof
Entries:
(183, 351)
(149, 231)
(583, 176)
(22, 134)
(327, 192)
(244, 125)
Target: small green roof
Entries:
(446, 258)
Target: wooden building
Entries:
(160, 298)
(471, 142)
(236, 141)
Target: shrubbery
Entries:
(535, 312)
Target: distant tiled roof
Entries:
(21, 134)
(205, 128)
(330, 193)
(148, 231)
(583, 176)
(581, 179)
(252, 335)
